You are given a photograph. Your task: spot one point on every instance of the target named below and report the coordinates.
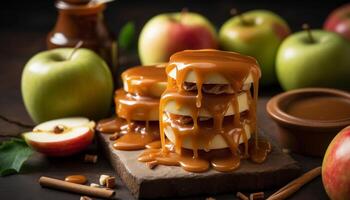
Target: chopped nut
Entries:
(94, 185)
(152, 164)
(110, 182)
(115, 136)
(241, 196)
(85, 198)
(217, 88)
(90, 158)
(209, 88)
(256, 196)
(180, 119)
(103, 179)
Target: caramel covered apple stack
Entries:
(208, 113)
(137, 108)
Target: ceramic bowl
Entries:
(305, 136)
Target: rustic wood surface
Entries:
(173, 181)
(16, 48)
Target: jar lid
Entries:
(79, 6)
(76, 2)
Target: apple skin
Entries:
(62, 148)
(339, 21)
(53, 87)
(260, 39)
(336, 166)
(325, 63)
(169, 33)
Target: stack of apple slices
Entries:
(137, 108)
(215, 87)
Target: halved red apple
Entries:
(61, 137)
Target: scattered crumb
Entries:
(94, 185)
(103, 179)
(152, 164)
(110, 182)
(90, 158)
(285, 150)
(241, 196)
(85, 198)
(257, 196)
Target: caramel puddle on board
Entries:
(78, 179)
(134, 135)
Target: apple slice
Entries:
(61, 137)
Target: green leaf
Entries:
(13, 153)
(126, 36)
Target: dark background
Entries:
(40, 15)
(23, 29)
(25, 24)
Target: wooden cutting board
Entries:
(172, 181)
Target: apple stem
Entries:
(184, 11)
(76, 47)
(234, 12)
(306, 27)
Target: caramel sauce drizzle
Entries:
(131, 107)
(137, 108)
(235, 68)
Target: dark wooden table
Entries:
(16, 48)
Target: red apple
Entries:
(339, 21)
(168, 33)
(336, 167)
(61, 137)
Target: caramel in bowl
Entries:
(309, 118)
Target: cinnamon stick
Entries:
(295, 185)
(75, 188)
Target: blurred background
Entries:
(34, 20)
(25, 24)
(27, 16)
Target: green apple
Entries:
(323, 61)
(54, 86)
(256, 33)
(169, 33)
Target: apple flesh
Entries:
(61, 137)
(55, 87)
(336, 166)
(256, 33)
(169, 33)
(323, 62)
(339, 21)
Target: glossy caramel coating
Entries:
(136, 108)
(149, 81)
(233, 68)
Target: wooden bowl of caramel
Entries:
(309, 118)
